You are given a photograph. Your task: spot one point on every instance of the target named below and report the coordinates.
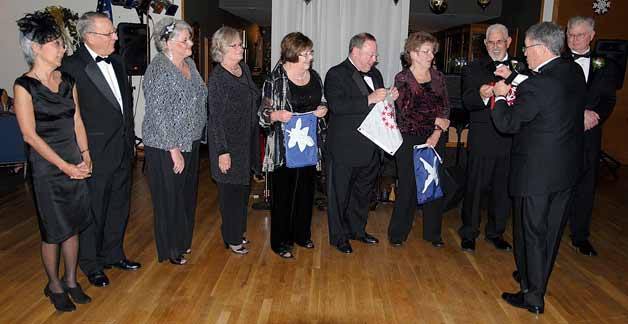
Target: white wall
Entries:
(12, 62)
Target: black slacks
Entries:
(102, 241)
(406, 202)
(348, 197)
(538, 225)
(174, 200)
(486, 174)
(291, 210)
(582, 208)
(233, 201)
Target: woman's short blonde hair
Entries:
(222, 39)
(415, 41)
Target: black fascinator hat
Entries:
(39, 27)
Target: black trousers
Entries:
(291, 210)
(174, 200)
(580, 215)
(233, 200)
(406, 202)
(102, 241)
(538, 225)
(486, 174)
(348, 197)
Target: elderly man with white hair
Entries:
(489, 149)
(601, 76)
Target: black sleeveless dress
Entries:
(62, 203)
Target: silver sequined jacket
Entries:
(176, 110)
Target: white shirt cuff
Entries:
(518, 79)
(498, 98)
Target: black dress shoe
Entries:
(500, 243)
(438, 243)
(396, 242)
(516, 276)
(517, 300)
(367, 239)
(307, 244)
(124, 264)
(61, 301)
(344, 247)
(77, 293)
(584, 247)
(98, 279)
(467, 245)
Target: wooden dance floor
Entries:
(376, 284)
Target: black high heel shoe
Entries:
(61, 301)
(180, 260)
(237, 249)
(307, 244)
(76, 293)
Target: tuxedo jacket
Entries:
(347, 98)
(547, 123)
(110, 132)
(601, 98)
(484, 139)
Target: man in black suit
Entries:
(601, 77)
(546, 121)
(489, 150)
(352, 89)
(106, 103)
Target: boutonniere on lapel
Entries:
(517, 66)
(598, 63)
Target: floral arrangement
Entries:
(66, 20)
(598, 63)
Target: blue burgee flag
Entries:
(427, 162)
(299, 139)
(104, 6)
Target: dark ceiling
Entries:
(459, 12)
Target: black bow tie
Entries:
(364, 74)
(497, 63)
(577, 56)
(104, 59)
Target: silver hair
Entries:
(549, 34)
(27, 49)
(166, 29)
(577, 20)
(221, 39)
(84, 24)
(497, 28)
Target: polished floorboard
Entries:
(415, 283)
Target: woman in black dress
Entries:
(292, 87)
(232, 134)
(48, 114)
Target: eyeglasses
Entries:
(501, 42)
(426, 52)
(236, 45)
(577, 36)
(110, 34)
(525, 48)
(307, 53)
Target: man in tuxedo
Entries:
(489, 150)
(106, 103)
(352, 88)
(546, 121)
(601, 98)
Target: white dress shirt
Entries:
(585, 63)
(110, 75)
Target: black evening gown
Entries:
(62, 203)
